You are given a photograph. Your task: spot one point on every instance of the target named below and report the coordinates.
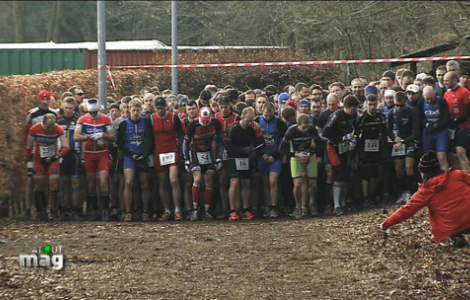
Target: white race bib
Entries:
(46, 151)
(400, 152)
(167, 158)
(343, 147)
(451, 134)
(371, 145)
(204, 158)
(151, 160)
(224, 155)
(242, 164)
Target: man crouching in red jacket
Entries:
(447, 196)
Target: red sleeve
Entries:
(418, 201)
(257, 128)
(60, 131)
(466, 96)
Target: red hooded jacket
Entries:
(447, 197)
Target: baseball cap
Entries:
(421, 76)
(371, 89)
(412, 88)
(44, 94)
(205, 95)
(160, 102)
(304, 102)
(283, 98)
(389, 93)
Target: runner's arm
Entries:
(444, 111)
(149, 143)
(187, 138)
(416, 127)
(121, 138)
(463, 117)
(78, 136)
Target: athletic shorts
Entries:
(242, 174)
(435, 141)
(369, 157)
(159, 168)
(265, 169)
(461, 137)
(42, 168)
(72, 165)
(117, 166)
(298, 170)
(96, 162)
(130, 163)
(207, 168)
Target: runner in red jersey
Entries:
(35, 116)
(165, 136)
(191, 112)
(458, 100)
(45, 160)
(202, 157)
(226, 118)
(94, 129)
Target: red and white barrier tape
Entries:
(296, 63)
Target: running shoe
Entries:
(295, 213)
(178, 216)
(165, 217)
(105, 216)
(234, 216)
(338, 211)
(128, 218)
(145, 217)
(313, 211)
(192, 215)
(273, 213)
(115, 214)
(155, 217)
(329, 210)
(247, 215)
(206, 216)
(303, 212)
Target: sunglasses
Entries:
(80, 94)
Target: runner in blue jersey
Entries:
(270, 163)
(436, 120)
(130, 140)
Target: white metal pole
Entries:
(174, 48)
(102, 78)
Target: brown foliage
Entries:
(192, 81)
(18, 94)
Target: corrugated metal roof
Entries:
(124, 45)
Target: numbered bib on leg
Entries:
(400, 152)
(204, 158)
(242, 164)
(167, 158)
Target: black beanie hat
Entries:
(429, 162)
(205, 95)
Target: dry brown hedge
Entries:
(18, 94)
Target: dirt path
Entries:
(323, 258)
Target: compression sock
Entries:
(336, 193)
(105, 201)
(196, 192)
(91, 202)
(329, 188)
(207, 198)
(410, 184)
(400, 185)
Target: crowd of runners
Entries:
(300, 151)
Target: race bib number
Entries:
(452, 134)
(167, 158)
(343, 147)
(371, 145)
(400, 152)
(224, 155)
(204, 158)
(242, 164)
(151, 161)
(46, 151)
